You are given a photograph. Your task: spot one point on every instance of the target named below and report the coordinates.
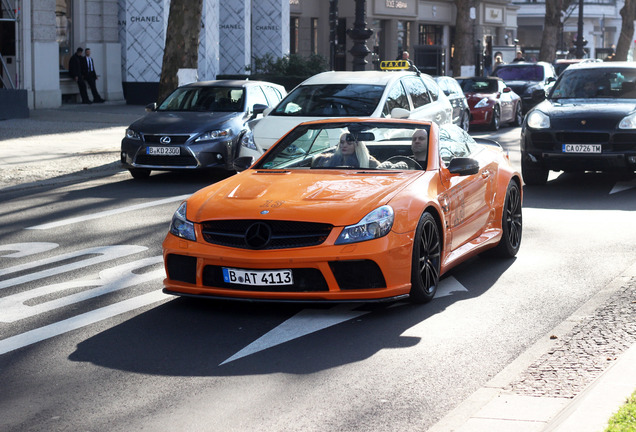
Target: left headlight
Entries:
(247, 140)
(376, 224)
(482, 103)
(628, 122)
(538, 120)
(132, 134)
(214, 134)
(180, 226)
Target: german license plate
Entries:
(582, 148)
(257, 277)
(163, 151)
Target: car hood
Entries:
(520, 87)
(171, 122)
(338, 198)
(600, 113)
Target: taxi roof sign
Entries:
(395, 64)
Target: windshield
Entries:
(329, 100)
(596, 84)
(344, 145)
(529, 72)
(476, 85)
(226, 99)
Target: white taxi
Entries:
(394, 92)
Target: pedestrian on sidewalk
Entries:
(76, 69)
(91, 76)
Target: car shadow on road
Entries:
(194, 337)
(583, 191)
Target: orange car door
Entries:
(466, 196)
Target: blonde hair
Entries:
(361, 151)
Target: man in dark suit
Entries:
(75, 69)
(91, 76)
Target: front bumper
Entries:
(218, 154)
(544, 149)
(375, 270)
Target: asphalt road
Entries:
(88, 342)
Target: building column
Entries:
(270, 28)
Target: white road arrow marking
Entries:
(312, 320)
(26, 249)
(108, 213)
(623, 186)
(303, 323)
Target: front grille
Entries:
(305, 280)
(624, 142)
(259, 234)
(168, 161)
(182, 268)
(174, 139)
(582, 138)
(358, 274)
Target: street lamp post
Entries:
(360, 33)
(579, 37)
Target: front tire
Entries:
(511, 223)
(518, 115)
(496, 117)
(426, 261)
(465, 121)
(533, 175)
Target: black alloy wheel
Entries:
(426, 262)
(511, 223)
(496, 117)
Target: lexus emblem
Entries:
(258, 235)
(165, 140)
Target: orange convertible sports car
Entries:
(347, 210)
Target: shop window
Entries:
(294, 25)
(430, 34)
(314, 35)
(63, 31)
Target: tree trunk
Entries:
(628, 13)
(464, 52)
(182, 43)
(551, 27)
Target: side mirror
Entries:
(151, 107)
(400, 113)
(538, 95)
(463, 166)
(259, 108)
(243, 163)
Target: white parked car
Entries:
(379, 94)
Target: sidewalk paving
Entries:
(572, 379)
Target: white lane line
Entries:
(26, 249)
(108, 213)
(79, 321)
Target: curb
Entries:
(492, 408)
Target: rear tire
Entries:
(511, 223)
(139, 173)
(426, 261)
(518, 115)
(465, 121)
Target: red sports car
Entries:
(491, 102)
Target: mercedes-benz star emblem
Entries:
(258, 235)
(165, 140)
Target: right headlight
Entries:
(132, 134)
(180, 226)
(538, 120)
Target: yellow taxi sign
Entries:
(394, 64)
